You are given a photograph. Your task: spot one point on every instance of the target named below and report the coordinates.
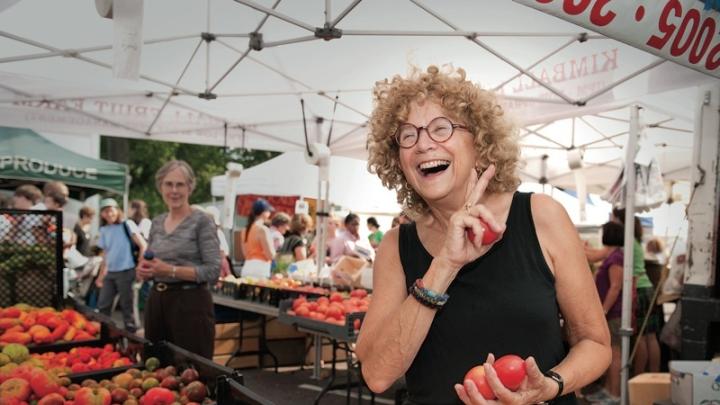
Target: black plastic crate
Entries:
(346, 332)
(211, 373)
(31, 258)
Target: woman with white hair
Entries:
(186, 259)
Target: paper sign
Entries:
(301, 207)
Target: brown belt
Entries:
(160, 287)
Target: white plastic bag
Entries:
(649, 187)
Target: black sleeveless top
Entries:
(503, 303)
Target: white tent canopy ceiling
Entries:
(232, 73)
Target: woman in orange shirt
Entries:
(256, 243)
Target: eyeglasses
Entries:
(440, 129)
(170, 185)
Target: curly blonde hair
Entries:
(495, 137)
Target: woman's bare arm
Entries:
(577, 296)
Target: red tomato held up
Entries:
(477, 375)
(511, 371)
(489, 236)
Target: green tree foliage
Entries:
(145, 157)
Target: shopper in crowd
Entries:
(445, 146)
(609, 282)
(345, 241)
(332, 225)
(186, 260)
(53, 190)
(295, 243)
(82, 230)
(26, 196)
(5, 219)
(27, 229)
(256, 235)
(647, 355)
(225, 262)
(375, 233)
(55, 200)
(655, 251)
(139, 214)
(117, 271)
(279, 225)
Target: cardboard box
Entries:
(646, 388)
(695, 382)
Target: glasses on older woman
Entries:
(440, 129)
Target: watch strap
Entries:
(558, 379)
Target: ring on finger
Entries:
(467, 208)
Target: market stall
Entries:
(26, 156)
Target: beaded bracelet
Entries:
(426, 297)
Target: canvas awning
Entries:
(233, 73)
(25, 155)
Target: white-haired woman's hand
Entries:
(464, 241)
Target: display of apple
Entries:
(489, 236)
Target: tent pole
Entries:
(126, 195)
(626, 327)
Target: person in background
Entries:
(117, 271)
(54, 189)
(139, 215)
(609, 283)
(256, 239)
(647, 355)
(27, 229)
(279, 225)
(82, 230)
(225, 262)
(444, 302)
(5, 221)
(186, 260)
(55, 200)
(295, 243)
(26, 196)
(375, 233)
(655, 251)
(332, 225)
(344, 243)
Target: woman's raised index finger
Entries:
(481, 185)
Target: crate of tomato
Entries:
(338, 316)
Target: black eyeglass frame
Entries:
(418, 129)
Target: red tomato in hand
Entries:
(477, 375)
(489, 236)
(510, 370)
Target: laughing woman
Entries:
(442, 301)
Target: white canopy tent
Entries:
(351, 186)
(567, 88)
